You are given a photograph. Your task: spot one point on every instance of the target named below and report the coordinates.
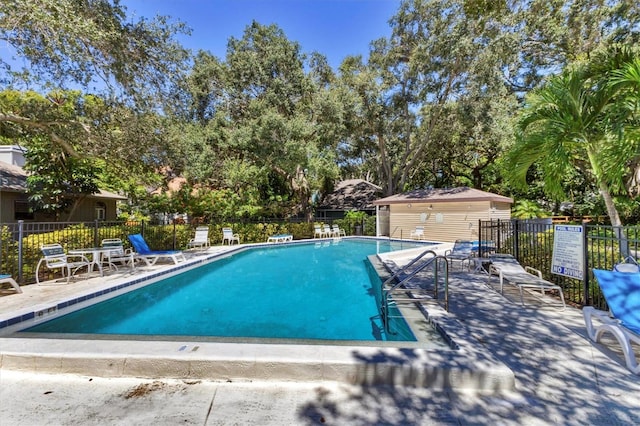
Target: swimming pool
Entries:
(300, 291)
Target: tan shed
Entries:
(445, 214)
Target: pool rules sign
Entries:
(568, 251)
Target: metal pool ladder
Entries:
(402, 293)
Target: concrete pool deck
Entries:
(560, 378)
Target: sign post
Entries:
(568, 251)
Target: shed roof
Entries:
(443, 195)
(12, 178)
(351, 194)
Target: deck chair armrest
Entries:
(495, 270)
(532, 270)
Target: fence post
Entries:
(142, 228)
(174, 235)
(516, 239)
(20, 248)
(618, 231)
(585, 262)
(96, 243)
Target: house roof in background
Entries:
(443, 195)
(14, 179)
(351, 194)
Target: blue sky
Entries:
(335, 28)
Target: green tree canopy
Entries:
(579, 120)
(92, 45)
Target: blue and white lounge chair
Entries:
(150, 257)
(8, 279)
(622, 293)
(629, 264)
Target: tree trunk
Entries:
(614, 217)
(74, 208)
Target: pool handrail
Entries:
(386, 293)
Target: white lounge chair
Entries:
(280, 238)
(621, 290)
(229, 237)
(201, 238)
(4, 278)
(326, 231)
(509, 269)
(117, 254)
(54, 257)
(317, 231)
(150, 257)
(417, 233)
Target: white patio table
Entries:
(96, 256)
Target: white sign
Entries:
(568, 251)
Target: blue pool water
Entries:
(300, 291)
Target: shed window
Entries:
(22, 210)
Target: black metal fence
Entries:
(20, 242)
(531, 242)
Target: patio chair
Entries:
(229, 236)
(509, 269)
(201, 238)
(117, 253)
(4, 278)
(150, 257)
(417, 233)
(462, 251)
(317, 231)
(621, 290)
(326, 230)
(338, 232)
(54, 257)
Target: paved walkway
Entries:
(561, 379)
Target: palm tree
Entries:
(626, 83)
(574, 122)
